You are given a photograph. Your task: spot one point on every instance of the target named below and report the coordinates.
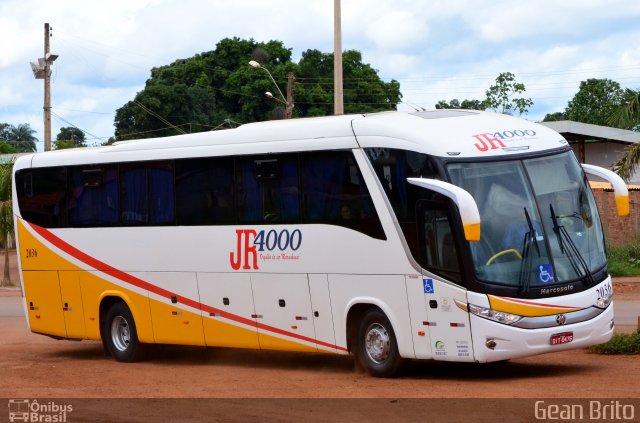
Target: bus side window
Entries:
(147, 194)
(94, 196)
(439, 252)
(268, 189)
(42, 196)
(335, 193)
(204, 191)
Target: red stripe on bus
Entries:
(132, 280)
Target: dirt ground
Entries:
(35, 366)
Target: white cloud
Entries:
(440, 49)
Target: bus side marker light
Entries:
(456, 325)
(186, 322)
(92, 318)
(37, 316)
(421, 333)
(294, 327)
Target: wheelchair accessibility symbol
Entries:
(545, 273)
(428, 286)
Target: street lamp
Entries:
(288, 101)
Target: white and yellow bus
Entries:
(448, 235)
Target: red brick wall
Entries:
(618, 230)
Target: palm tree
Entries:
(6, 215)
(22, 138)
(627, 116)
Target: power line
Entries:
(80, 129)
(163, 120)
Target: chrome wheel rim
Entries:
(377, 343)
(120, 333)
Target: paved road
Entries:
(11, 306)
(626, 314)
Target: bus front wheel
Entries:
(120, 333)
(377, 349)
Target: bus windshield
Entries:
(540, 225)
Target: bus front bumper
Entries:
(494, 341)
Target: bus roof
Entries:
(446, 133)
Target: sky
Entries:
(436, 49)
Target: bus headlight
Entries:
(496, 316)
(604, 300)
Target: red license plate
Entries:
(561, 338)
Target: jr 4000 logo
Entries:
(265, 245)
(492, 140)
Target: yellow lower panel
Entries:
(220, 334)
(268, 342)
(172, 325)
(72, 304)
(42, 292)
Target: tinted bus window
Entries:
(147, 194)
(335, 193)
(268, 189)
(42, 196)
(93, 196)
(204, 191)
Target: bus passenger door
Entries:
(72, 307)
(227, 312)
(175, 321)
(283, 312)
(44, 305)
(447, 325)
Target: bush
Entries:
(621, 343)
(624, 260)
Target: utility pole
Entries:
(338, 102)
(47, 90)
(289, 108)
(42, 70)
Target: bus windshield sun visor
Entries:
(467, 206)
(619, 187)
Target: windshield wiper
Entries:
(569, 248)
(525, 265)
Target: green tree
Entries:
(69, 137)
(6, 215)
(4, 131)
(627, 116)
(456, 104)
(501, 96)
(364, 91)
(21, 138)
(595, 101)
(214, 87)
(553, 117)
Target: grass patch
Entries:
(624, 260)
(621, 343)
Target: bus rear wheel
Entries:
(376, 347)
(120, 334)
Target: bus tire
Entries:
(376, 346)
(120, 333)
